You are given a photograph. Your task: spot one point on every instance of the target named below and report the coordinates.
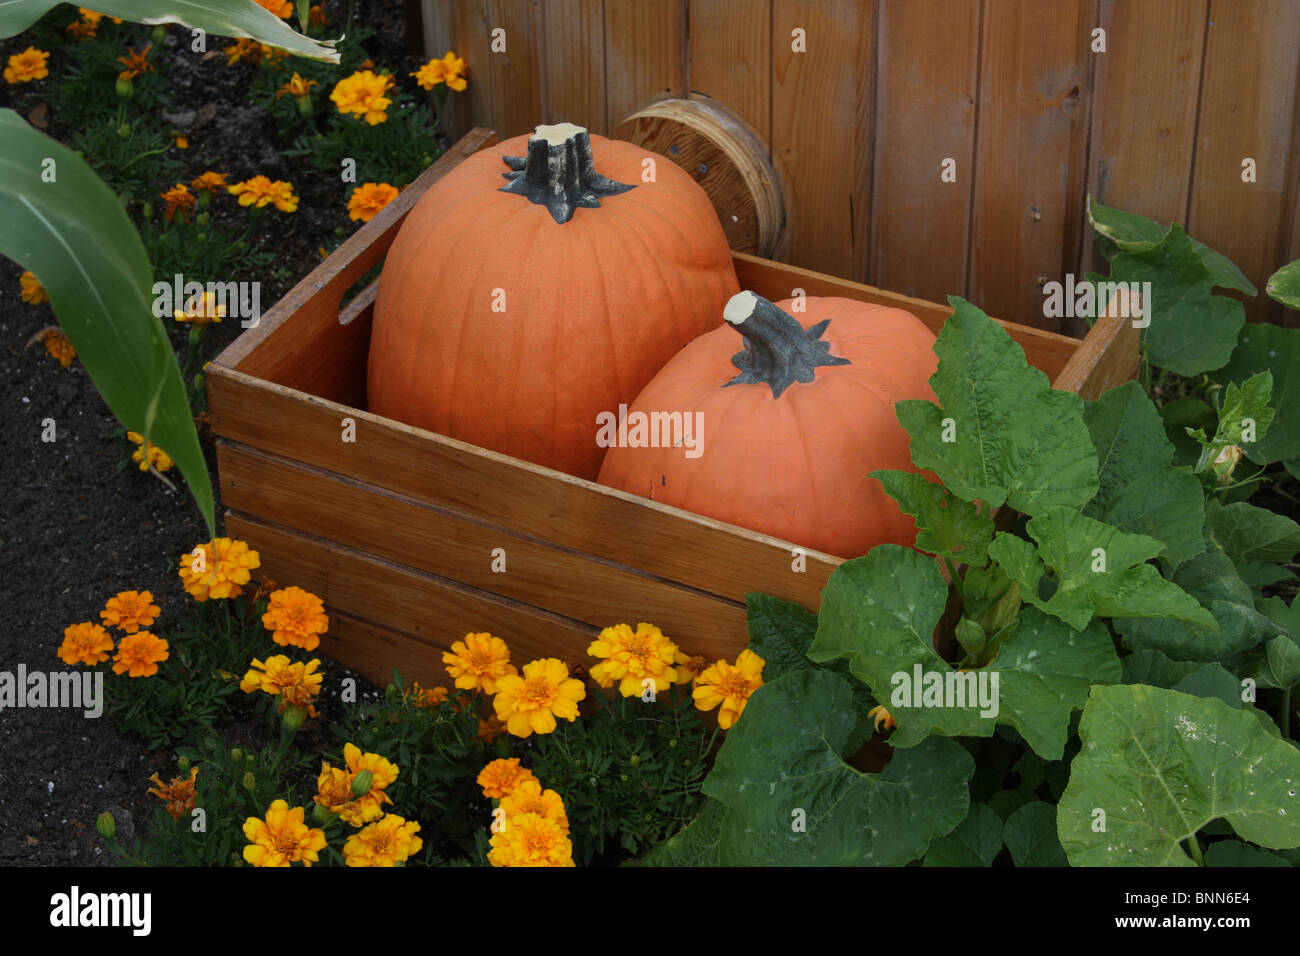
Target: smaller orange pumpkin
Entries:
(785, 447)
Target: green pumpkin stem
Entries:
(778, 350)
(559, 172)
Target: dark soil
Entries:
(75, 532)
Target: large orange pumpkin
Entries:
(523, 297)
(785, 446)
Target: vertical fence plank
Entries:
(1144, 113)
(471, 39)
(645, 54)
(730, 57)
(1247, 108)
(822, 130)
(1030, 94)
(573, 84)
(516, 70)
(925, 113)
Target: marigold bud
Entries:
(147, 211)
(236, 755)
(361, 784)
(159, 35)
(321, 816)
(183, 764)
(125, 86)
(106, 825)
(250, 782)
(292, 719)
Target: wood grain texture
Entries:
(730, 57)
(573, 78)
(517, 70)
(1252, 55)
(1144, 114)
(1108, 357)
(398, 528)
(721, 153)
(1030, 94)
(471, 35)
(822, 131)
(645, 54)
(925, 113)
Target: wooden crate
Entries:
(397, 531)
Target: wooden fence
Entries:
(1015, 93)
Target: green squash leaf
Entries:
(792, 800)
(1236, 853)
(1097, 569)
(780, 632)
(1140, 491)
(1014, 438)
(947, 526)
(880, 612)
(1248, 533)
(1191, 330)
(1147, 666)
(1245, 407)
(1211, 580)
(75, 236)
(223, 18)
(1030, 835)
(976, 842)
(1270, 347)
(1161, 765)
(1284, 285)
(695, 844)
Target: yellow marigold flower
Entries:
(57, 345)
(452, 68)
(281, 8)
(882, 716)
(689, 667)
(729, 685)
(295, 683)
(220, 570)
(499, 778)
(263, 191)
(479, 662)
(130, 610)
(424, 697)
(139, 654)
(296, 617)
(178, 199)
(27, 66)
(630, 657)
(334, 786)
(282, 838)
(181, 795)
(362, 95)
(87, 25)
(32, 290)
(489, 729)
(429, 75)
(201, 310)
(529, 797)
(210, 181)
(182, 141)
(296, 87)
(316, 16)
(530, 704)
(368, 198)
(386, 842)
(85, 643)
(135, 63)
(531, 840)
(149, 454)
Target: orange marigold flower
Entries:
(500, 778)
(295, 683)
(218, 569)
(179, 199)
(85, 643)
(390, 841)
(181, 795)
(281, 8)
(27, 66)
(149, 455)
(881, 715)
(57, 345)
(334, 786)
(424, 696)
(531, 840)
(296, 617)
(87, 25)
(362, 95)
(282, 838)
(139, 654)
(531, 703)
(478, 662)
(32, 290)
(490, 728)
(368, 198)
(730, 685)
(689, 667)
(262, 191)
(209, 181)
(135, 63)
(182, 141)
(446, 70)
(316, 16)
(130, 610)
(201, 310)
(529, 797)
(632, 658)
(296, 87)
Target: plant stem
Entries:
(956, 581)
(1286, 713)
(1195, 848)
